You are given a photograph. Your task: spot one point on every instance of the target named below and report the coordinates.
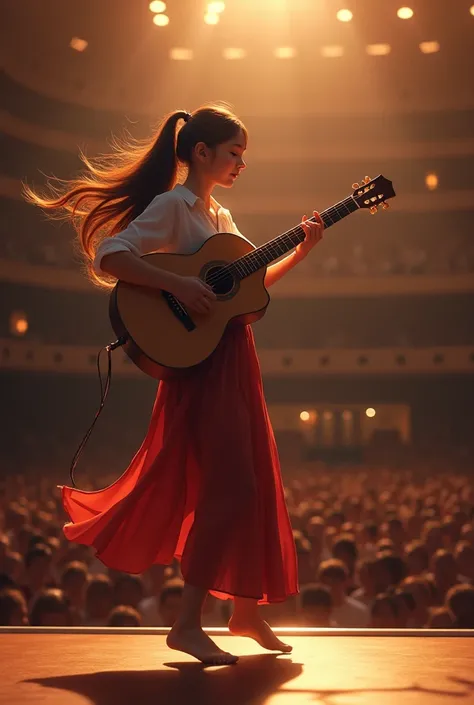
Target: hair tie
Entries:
(187, 117)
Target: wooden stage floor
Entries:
(328, 667)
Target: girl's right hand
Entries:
(194, 294)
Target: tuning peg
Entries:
(385, 205)
(355, 185)
(367, 179)
(373, 210)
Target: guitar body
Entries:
(163, 339)
(159, 341)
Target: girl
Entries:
(205, 486)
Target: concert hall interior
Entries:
(366, 350)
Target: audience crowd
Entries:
(376, 547)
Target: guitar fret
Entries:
(270, 251)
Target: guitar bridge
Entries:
(179, 311)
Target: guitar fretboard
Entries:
(270, 251)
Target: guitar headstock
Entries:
(372, 193)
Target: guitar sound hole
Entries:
(221, 281)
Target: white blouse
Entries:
(175, 221)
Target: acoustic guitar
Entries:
(161, 337)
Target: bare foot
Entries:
(258, 629)
(196, 643)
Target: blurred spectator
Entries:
(366, 578)
(306, 571)
(440, 618)
(316, 606)
(346, 611)
(345, 549)
(432, 536)
(464, 555)
(451, 531)
(397, 534)
(13, 566)
(73, 583)
(467, 533)
(406, 604)
(444, 574)
(384, 612)
(162, 610)
(13, 608)
(50, 608)
(128, 590)
(417, 558)
(99, 601)
(315, 530)
(38, 567)
(6, 582)
(124, 616)
(368, 536)
(460, 602)
(420, 589)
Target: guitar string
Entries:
(252, 257)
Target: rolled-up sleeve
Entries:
(152, 230)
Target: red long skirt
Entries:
(205, 486)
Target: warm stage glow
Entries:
(378, 49)
(18, 323)
(309, 418)
(429, 47)
(78, 44)
(370, 412)
(471, 10)
(285, 53)
(344, 15)
(181, 54)
(157, 6)
(234, 53)
(332, 52)
(161, 20)
(405, 13)
(216, 7)
(211, 18)
(431, 182)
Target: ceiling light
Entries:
(181, 54)
(431, 181)
(378, 49)
(161, 20)
(429, 47)
(332, 52)
(157, 6)
(211, 18)
(405, 13)
(234, 53)
(285, 53)
(78, 44)
(344, 15)
(216, 7)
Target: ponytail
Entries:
(116, 188)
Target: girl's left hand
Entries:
(313, 232)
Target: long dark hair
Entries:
(115, 188)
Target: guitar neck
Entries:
(280, 245)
